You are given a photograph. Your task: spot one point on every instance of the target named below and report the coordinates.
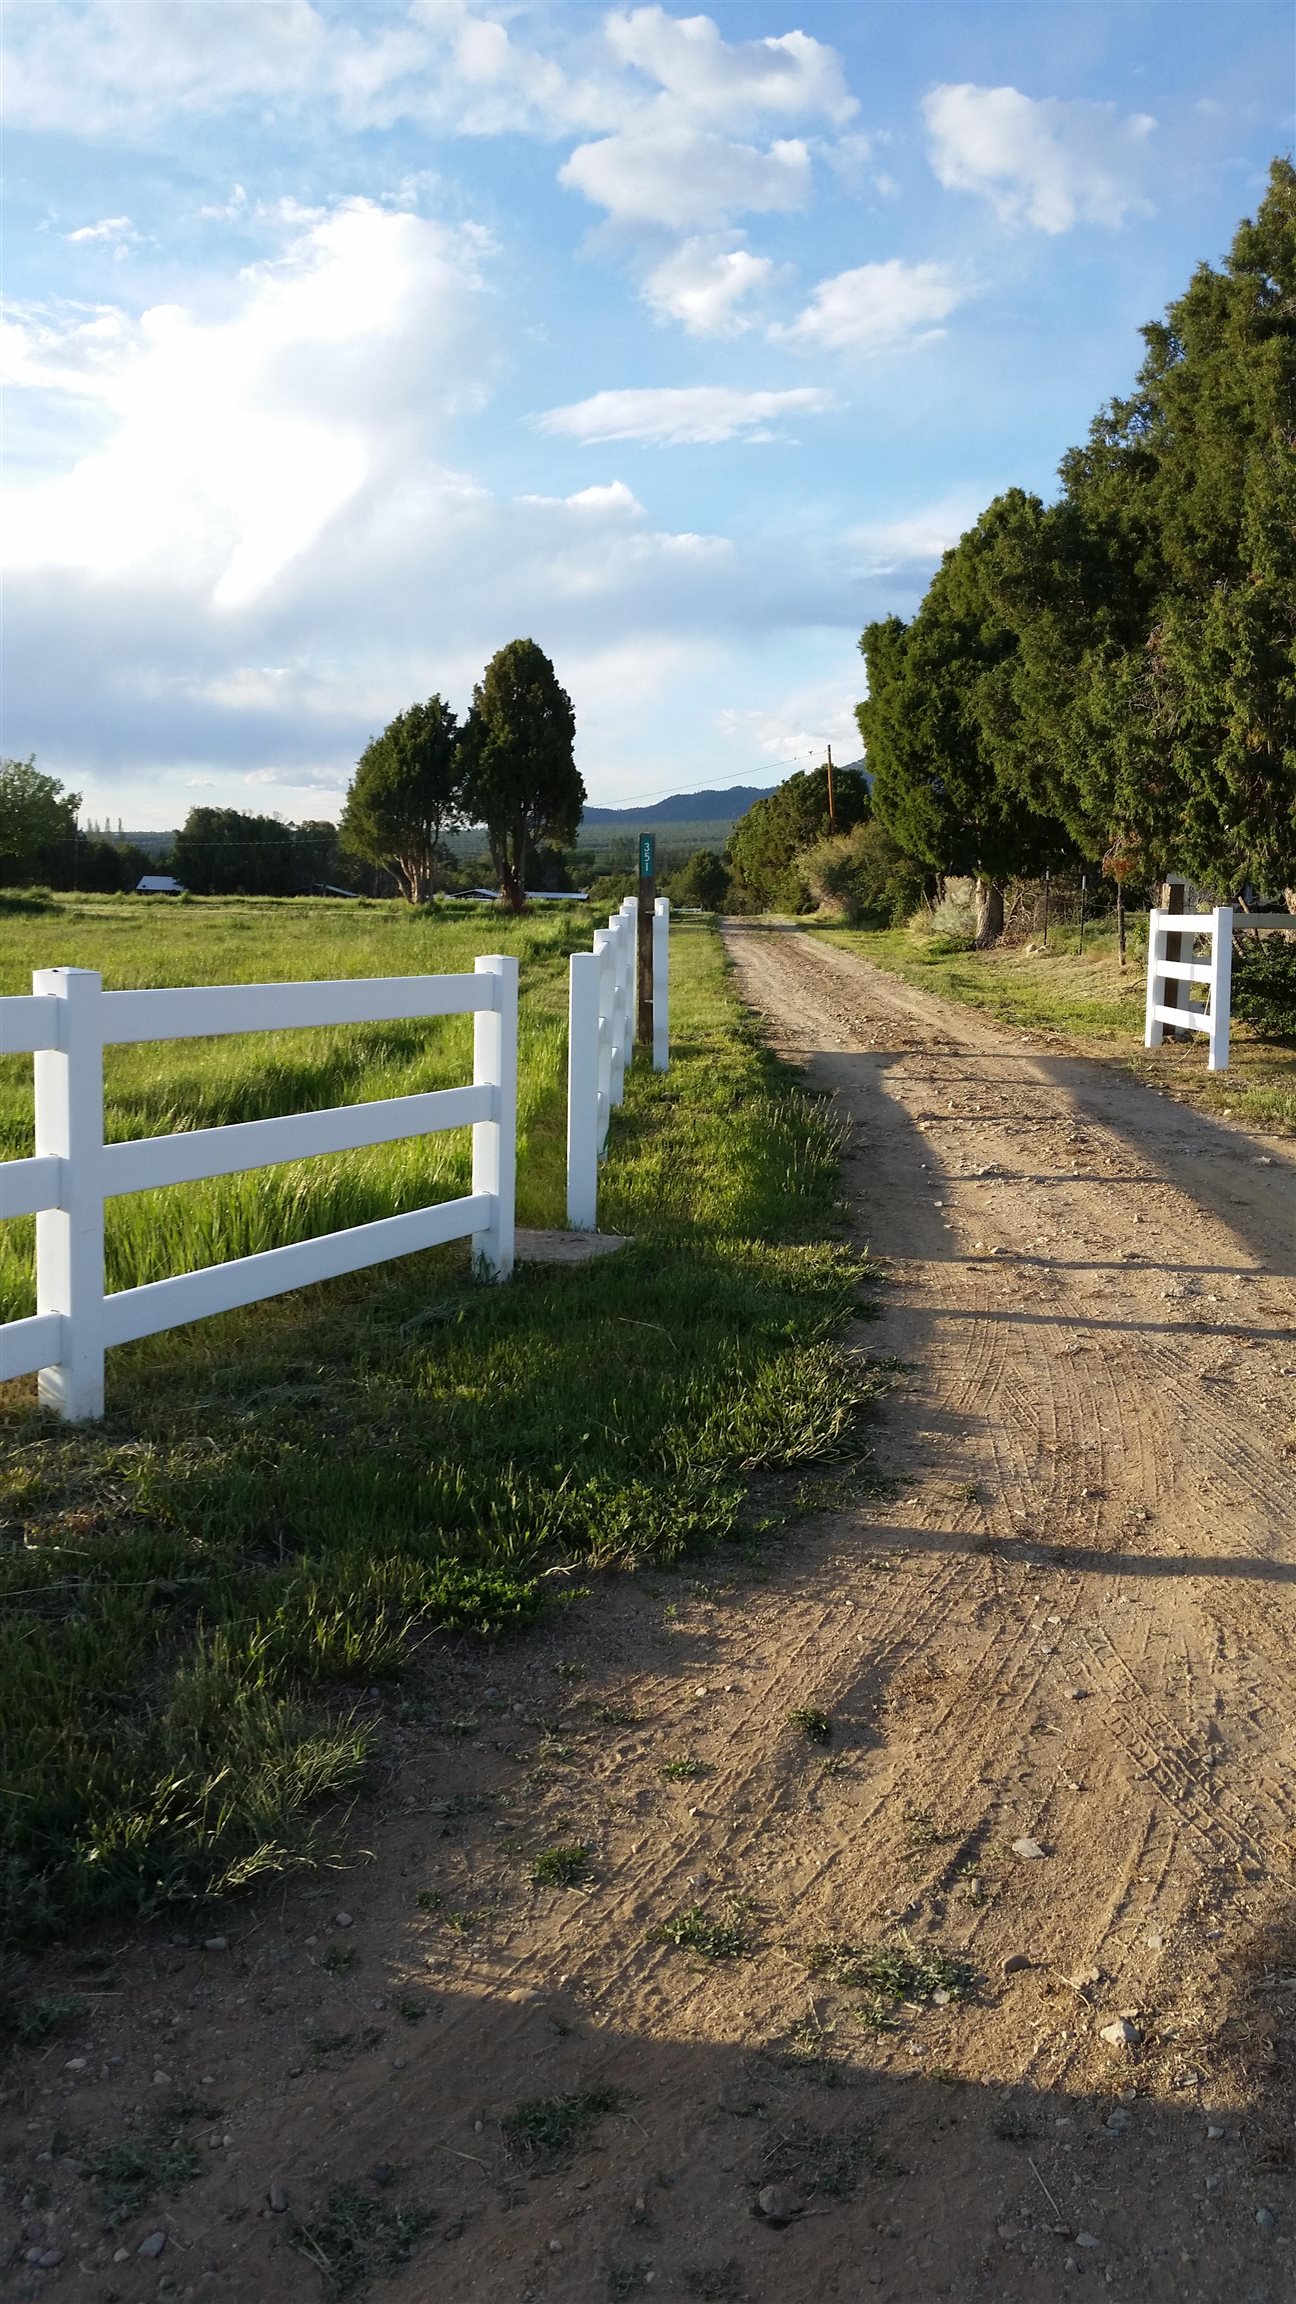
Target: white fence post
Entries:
(1221, 989)
(605, 953)
(661, 984)
(620, 1003)
(1153, 1029)
(70, 1238)
(629, 918)
(584, 1068)
(494, 1165)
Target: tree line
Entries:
(1111, 678)
(509, 768)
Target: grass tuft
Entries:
(545, 2132)
(126, 2175)
(816, 1727)
(695, 1930)
(564, 1867)
(359, 2237)
(890, 1973)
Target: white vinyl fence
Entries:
(601, 1025)
(68, 1022)
(1216, 974)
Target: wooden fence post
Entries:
(70, 1238)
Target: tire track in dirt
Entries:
(1097, 1433)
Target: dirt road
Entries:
(1057, 1661)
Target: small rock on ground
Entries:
(778, 2205)
(1120, 2033)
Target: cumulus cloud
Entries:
(877, 308)
(714, 79)
(685, 157)
(231, 442)
(670, 173)
(1042, 161)
(704, 283)
(683, 415)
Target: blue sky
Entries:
(345, 343)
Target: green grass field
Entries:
(283, 1504)
(1085, 997)
(158, 1087)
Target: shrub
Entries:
(703, 881)
(1264, 986)
(952, 926)
(863, 875)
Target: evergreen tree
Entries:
(406, 794)
(521, 779)
(764, 843)
(937, 719)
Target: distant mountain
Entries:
(681, 808)
(691, 807)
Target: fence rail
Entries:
(68, 1021)
(600, 1037)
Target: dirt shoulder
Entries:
(1084, 1004)
(1068, 1626)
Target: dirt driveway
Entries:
(1056, 1658)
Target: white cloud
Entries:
(1044, 161)
(129, 63)
(916, 540)
(673, 174)
(676, 416)
(610, 498)
(709, 78)
(94, 67)
(877, 307)
(233, 442)
(704, 282)
(115, 232)
(794, 733)
(297, 779)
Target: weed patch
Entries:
(360, 2236)
(27, 2021)
(697, 1931)
(127, 2175)
(816, 1727)
(546, 2131)
(563, 1867)
(891, 1973)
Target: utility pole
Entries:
(832, 812)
